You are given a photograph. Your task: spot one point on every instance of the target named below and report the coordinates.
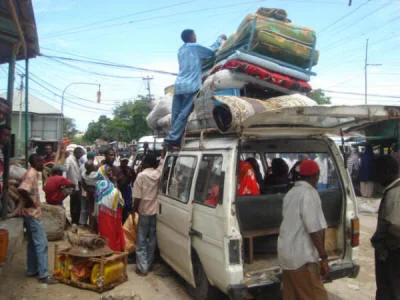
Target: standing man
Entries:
(187, 83)
(145, 190)
(125, 178)
(386, 239)
(49, 155)
(37, 239)
(73, 173)
(301, 248)
(109, 157)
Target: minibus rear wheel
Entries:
(203, 290)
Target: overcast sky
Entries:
(146, 34)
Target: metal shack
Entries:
(18, 41)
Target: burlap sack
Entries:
(130, 232)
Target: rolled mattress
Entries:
(232, 111)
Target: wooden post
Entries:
(55, 257)
(101, 279)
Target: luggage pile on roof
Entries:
(268, 58)
(267, 51)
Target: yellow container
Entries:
(63, 265)
(112, 272)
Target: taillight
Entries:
(234, 252)
(355, 232)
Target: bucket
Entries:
(3, 245)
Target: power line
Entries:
(339, 42)
(87, 26)
(109, 64)
(37, 81)
(91, 72)
(343, 17)
(171, 15)
(43, 84)
(361, 94)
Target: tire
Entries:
(203, 289)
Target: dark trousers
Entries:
(387, 274)
(75, 206)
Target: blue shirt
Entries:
(189, 58)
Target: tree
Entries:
(99, 129)
(318, 96)
(129, 122)
(69, 129)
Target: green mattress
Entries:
(280, 40)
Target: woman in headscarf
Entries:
(247, 184)
(353, 167)
(367, 174)
(110, 204)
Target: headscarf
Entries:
(367, 165)
(106, 193)
(247, 184)
(353, 162)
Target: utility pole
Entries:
(366, 64)
(21, 90)
(147, 79)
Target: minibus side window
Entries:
(180, 178)
(169, 162)
(209, 185)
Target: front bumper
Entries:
(272, 288)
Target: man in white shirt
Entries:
(73, 173)
(145, 191)
(301, 249)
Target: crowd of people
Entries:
(104, 195)
(101, 200)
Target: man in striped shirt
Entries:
(187, 83)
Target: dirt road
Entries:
(164, 284)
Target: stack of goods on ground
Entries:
(267, 57)
(15, 204)
(88, 263)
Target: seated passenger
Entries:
(279, 176)
(247, 184)
(257, 171)
(213, 196)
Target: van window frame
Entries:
(175, 158)
(222, 180)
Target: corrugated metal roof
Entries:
(36, 105)
(9, 34)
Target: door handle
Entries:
(196, 233)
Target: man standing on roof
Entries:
(301, 248)
(187, 83)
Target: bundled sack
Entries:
(161, 109)
(274, 38)
(164, 124)
(130, 232)
(54, 220)
(16, 172)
